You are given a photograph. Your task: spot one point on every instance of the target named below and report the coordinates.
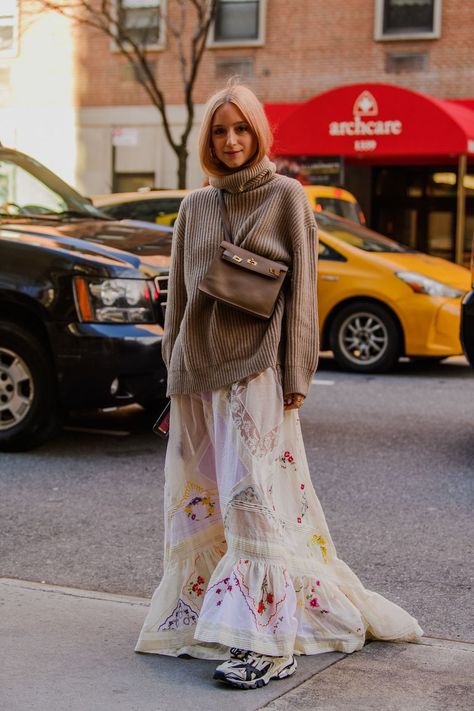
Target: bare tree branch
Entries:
(184, 19)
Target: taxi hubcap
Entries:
(363, 338)
(16, 389)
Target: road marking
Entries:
(322, 382)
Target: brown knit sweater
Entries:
(208, 345)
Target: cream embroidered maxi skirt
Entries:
(249, 561)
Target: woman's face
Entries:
(233, 141)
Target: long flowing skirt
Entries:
(249, 561)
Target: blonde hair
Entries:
(245, 100)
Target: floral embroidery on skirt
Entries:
(249, 561)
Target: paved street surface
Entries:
(69, 650)
(391, 458)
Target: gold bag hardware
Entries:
(252, 288)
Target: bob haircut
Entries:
(245, 100)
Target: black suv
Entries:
(81, 304)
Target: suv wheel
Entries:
(29, 411)
(364, 338)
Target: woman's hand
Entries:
(293, 401)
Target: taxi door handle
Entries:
(329, 277)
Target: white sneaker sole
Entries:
(283, 673)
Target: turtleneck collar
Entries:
(246, 179)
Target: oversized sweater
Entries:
(208, 344)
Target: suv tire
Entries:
(29, 408)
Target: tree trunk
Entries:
(182, 154)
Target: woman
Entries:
(250, 573)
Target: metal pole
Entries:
(460, 210)
(113, 166)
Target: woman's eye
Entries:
(217, 131)
(242, 128)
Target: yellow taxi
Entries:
(158, 206)
(379, 300)
(336, 200)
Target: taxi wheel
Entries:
(29, 411)
(364, 338)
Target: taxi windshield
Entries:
(358, 236)
(343, 208)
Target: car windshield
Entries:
(358, 236)
(343, 208)
(28, 189)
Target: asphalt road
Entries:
(391, 457)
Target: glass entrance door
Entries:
(416, 205)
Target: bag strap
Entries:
(225, 217)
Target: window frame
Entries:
(156, 47)
(15, 20)
(379, 35)
(213, 43)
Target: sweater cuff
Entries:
(297, 380)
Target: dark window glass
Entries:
(326, 252)
(408, 16)
(236, 20)
(395, 182)
(358, 236)
(6, 38)
(140, 20)
(144, 210)
(343, 208)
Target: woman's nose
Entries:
(230, 138)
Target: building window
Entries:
(141, 21)
(238, 66)
(407, 19)
(402, 62)
(8, 28)
(238, 22)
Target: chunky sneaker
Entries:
(249, 670)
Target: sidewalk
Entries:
(72, 650)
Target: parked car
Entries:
(81, 304)
(379, 300)
(467, 317)
(158, 206)
(336, 200)
(161, 206)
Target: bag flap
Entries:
(252, 262)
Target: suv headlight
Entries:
(114, 300)
(424, 285)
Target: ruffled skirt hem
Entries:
(257, 605)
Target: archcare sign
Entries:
(373, 121)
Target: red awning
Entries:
(373, 121)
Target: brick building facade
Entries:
(64, 88)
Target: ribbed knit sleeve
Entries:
(177, 297)
(301, 316)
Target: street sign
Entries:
(125, 137)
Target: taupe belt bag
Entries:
(242, 279)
